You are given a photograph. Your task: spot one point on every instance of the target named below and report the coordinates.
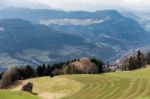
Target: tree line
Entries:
(24, 72)
(136, 61)
(132, 62)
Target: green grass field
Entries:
(5, 94)
(119, 85)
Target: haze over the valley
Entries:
(87, 5)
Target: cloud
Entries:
(132, 1)
(23, 3)
(136, 5)
(80, 4)
(83, 22)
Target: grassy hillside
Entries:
(16, 95)
(120, 85)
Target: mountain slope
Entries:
(110, 22)
(27, 35)
(39, 14)
(24, 43)
(106, 31)
(114, 25)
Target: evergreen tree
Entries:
(148, 57)
(99, 63)
(29, 72)
(143, 60)
(48, 71)
(22, 73)
(132, 63)
(139, 60)
(1, 75)
(39, 71)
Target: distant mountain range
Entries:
(142, 18)
(50, 36)
(22, 42)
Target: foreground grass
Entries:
(119, 85)
(52, 88)
(16, 95)
(56, 87)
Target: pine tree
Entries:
(48, 71)
(131, 63)
(29, 72)
(39, 71)
(148, 57)
(1, 75)
(99, 63)
(139, 60)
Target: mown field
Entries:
(119, 85)
(5, 94)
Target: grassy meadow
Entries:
(6, 94)
(117, 85)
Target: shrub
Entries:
(9, 77)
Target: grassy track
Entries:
(120, 85)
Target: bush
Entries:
(9, 77)
(15, 73)
(70, 69)
(84, 66)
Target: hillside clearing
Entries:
(50, 88)
(119, 85)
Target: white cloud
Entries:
(81, 4)
(2, 29)
(132, 1)
(83, 22)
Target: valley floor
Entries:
(119, 85)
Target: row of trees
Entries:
(21, 73)
(135, 61)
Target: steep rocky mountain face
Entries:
(65, 35)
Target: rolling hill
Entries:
(118, 85)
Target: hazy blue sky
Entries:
(137, 5)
